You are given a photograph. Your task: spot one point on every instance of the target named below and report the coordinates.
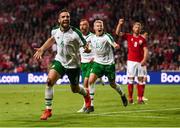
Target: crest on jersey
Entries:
(140, 41)
(53, 66)
(131, 39)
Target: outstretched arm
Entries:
(112, 42)
(39, 51)
(119, 27)
(116, 46)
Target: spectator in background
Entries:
(27, 22)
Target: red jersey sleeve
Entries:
(125, 36)
(144, 43)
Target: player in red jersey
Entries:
(137, 57)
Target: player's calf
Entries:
(87, 99)
(124, 100)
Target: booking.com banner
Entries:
(40, 78)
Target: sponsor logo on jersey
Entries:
(53, 66)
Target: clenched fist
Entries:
(121, 21)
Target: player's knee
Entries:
(130, 81)
(91, 82)
(140, 80)
(144, 80)
(92, 79)
(75, 89)
(112, 84)
(49, 82)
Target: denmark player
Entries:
(137, 57)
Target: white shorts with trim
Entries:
(135, 69)
(144, 68)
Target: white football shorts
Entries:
(144, 68)
(135, 69)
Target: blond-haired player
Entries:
(86, 58)
(102, 44)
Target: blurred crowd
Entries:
(26, 24)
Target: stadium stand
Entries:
(25, 24)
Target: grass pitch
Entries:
(22, 105)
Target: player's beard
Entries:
(84, 31)
(65, 25)
(137, 32)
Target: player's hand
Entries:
(91, 60)
(143, 63)
(38, 54)
(87, 49)
(121, 21)
(116, 46)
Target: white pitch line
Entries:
(158, 117)
(134, 111)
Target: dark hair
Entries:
(64, 10)
(84, 20)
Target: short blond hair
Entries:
(99, 21)
(137, 23)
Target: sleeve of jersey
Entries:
(53, 32)
(88, 40)
(110, 39)
(81, 39)
(125, 36)
(145, 43)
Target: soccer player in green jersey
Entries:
(86, 58)
(67, 60)
(102, 44)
